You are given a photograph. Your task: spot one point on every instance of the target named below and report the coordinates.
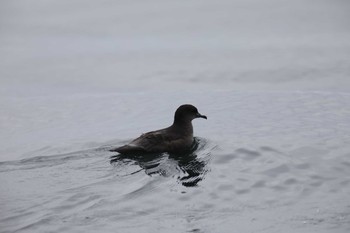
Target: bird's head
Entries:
(186, 113)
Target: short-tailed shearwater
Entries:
(176, 138)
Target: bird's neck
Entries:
(185, 127)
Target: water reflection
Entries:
(188, 168)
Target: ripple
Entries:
(275, 171)
(50, 160)
(242, 191)
(302, 166)
(225, 187)
(259, 184)
(248, 154)
(291, 181)
(224, 158)
(189, 168)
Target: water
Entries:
(79, 78)
(263, 161)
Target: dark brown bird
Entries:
(176, 138)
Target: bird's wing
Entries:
(155, 141)
(151, 142)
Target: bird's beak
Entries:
(201, 116)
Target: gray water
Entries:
(262, 162)
(78, 78)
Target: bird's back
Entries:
(164, 140)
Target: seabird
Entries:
(176, 138)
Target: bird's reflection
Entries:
(187, 167)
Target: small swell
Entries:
(189, 168)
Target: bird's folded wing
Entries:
(154, 142)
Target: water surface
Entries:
(263, 161)
(80, 77)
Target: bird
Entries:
(176, 138)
